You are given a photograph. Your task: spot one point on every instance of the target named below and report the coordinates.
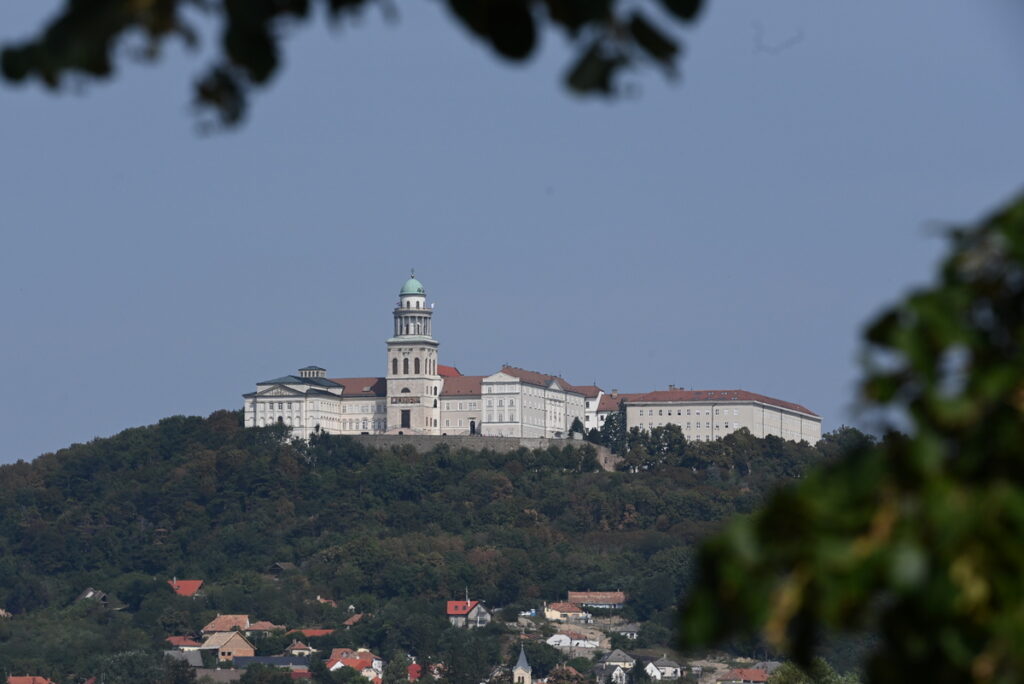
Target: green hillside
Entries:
(392, 533)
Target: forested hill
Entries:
(390, 532)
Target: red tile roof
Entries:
(461, 607)
(308, 633)
(462, 386)
(227, 623)
(601, 597)
(715, 396)
(263, 626)
(448, 371)
(185, 587)
(743, 675)
(565, 607)
(610, 403)
(589, 391)
(535, 378)
(354, 619)
(363, 387)
(179, 641)
(414, 672)
(28, 680)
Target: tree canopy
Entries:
(608, 35)
(917, 537)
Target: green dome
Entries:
(412, 287)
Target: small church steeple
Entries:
(522, 673)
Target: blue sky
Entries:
(735, 228)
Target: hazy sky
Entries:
(733, 229)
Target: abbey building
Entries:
(420, 396)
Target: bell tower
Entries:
(414, 387)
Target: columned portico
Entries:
(414, 386)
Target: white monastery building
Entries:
(420, 396)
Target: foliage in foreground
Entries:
(917, 537)
(608, 36)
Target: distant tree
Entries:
(613, 432)
(577, 427)
(396, 671)
(818, 672)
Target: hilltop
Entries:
(391, 533)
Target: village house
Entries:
(228, 645)
(297, 648)
(193, 658)
(620, 658)
(663, 668)
(187, 588)
(468, 614)
(565, 612)
(293, 663)
(607, 600)
(184, 643)
(567, 640)
(743, 676)
(361, 660)
(241, 623)
(608, 673)
(28, 680)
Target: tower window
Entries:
(405, 366)
(394, 366)
(417, 364)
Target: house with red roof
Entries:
(362, 660)
(188, 588)
(564, 611)
(608, 600)
(468, 614)
(183, 643)
(743, 676)
(28, 680)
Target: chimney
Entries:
(671, 387)
(615, 393)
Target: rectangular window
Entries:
(447, 423)
(511, 417)
(716, 412)
(659, 412)
(735, 412)
(687, 411)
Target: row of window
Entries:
(462, 423)
(501, 417)
(463, 405)
(679, 412)
(429, 365)
(696, 426)
(501, 403)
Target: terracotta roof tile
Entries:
(462, 386)
(180, 641)
(448, 371)
(602, 597)
(715, 396)
(461, 607)
(185, 587)
(565, 607)
(743, 675)
(227, 623)
(362, 387)
(309, 633)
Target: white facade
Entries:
(419, 396)
(707, 415)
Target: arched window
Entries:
(405, 366)
(405, 390)
(394, 366)
(417, 364)
(435, 403)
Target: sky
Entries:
(732, 229)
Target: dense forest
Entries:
(392, 533)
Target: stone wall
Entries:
(503, 445)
